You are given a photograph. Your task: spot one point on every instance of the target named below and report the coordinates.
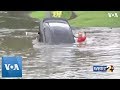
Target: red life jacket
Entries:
(81, 39)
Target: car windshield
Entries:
(64, 25)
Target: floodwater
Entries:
(18, 36)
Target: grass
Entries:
(38, 14)
(66, 14)
(87, 18)
(95, 19)
(41, 14)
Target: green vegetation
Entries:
(66, 14)
(41, 14)
(87, 18)
(63, 14)
(38, 14)
(95, 19)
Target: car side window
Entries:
(44, 25)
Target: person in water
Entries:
(81, 37)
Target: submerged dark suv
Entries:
(55, 31)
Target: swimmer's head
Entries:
(79, 34)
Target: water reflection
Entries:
(16, 20)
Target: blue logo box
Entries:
(99, 68)
(11, 66)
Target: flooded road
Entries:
(18, 36)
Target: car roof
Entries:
(59, 20)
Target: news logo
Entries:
(11, 66)
(103, 68)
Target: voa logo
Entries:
(112, 14)
(11, 67)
